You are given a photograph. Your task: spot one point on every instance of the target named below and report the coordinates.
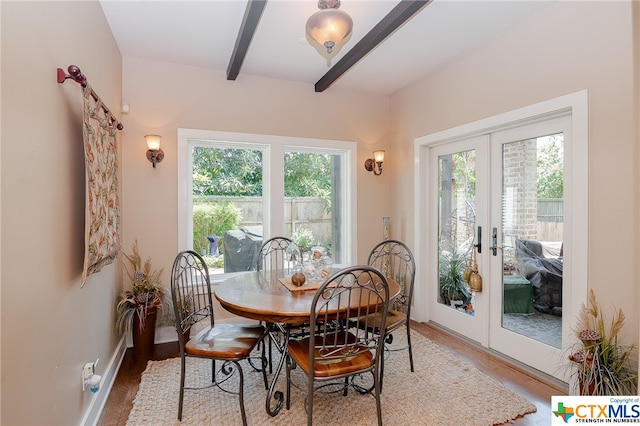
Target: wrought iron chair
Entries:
(360, 293)
(277, 255)
(394, 259)
(228, 343)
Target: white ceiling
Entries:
(203, 34)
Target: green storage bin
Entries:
(518, 295)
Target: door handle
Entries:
(494, 242)
(479, 244)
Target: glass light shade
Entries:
(153, 142)
(378, 156)
(328, 27)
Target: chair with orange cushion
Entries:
(335, 351)
(227, 343)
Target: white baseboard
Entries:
(163, 335)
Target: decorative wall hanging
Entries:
(102, 214)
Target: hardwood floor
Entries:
(125, 387)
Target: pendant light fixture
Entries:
(329, 26)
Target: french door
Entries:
(459, 195)
(497, 209)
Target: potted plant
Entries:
(137, 308)
(454, 290)
(600, 364)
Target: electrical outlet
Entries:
(89, 376)
(87, 371)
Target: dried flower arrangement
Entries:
(146, 292)
(602, 366)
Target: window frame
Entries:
(273, 149)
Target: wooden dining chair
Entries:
(335, 351)
(394, 259)
(227, 343)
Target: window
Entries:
(237, 190)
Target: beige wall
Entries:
(164, 97)
(46, 317)
(50, 326)
(566, 48)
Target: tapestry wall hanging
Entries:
(102, 215)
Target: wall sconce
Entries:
(155, 154)
(375, 164)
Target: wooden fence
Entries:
(303, 212)
(550, 219)
(312, 214)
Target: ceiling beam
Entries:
(252, 15)
(394, 20)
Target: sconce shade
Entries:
(155, 154)
(378, 156)
(329, 26)
(153, 142)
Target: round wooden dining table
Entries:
(265, 296)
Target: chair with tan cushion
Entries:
(227, 343)
(334, 351)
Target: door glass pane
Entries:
(227, 207)
(312, 182)
(532, 228)
(456, 224)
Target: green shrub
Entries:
(303, 237)
(213, 218)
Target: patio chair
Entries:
(227, 343)
(335, 351)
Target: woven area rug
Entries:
(443, 390)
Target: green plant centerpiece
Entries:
(599, 363)
(303, 238)
(146, 295)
